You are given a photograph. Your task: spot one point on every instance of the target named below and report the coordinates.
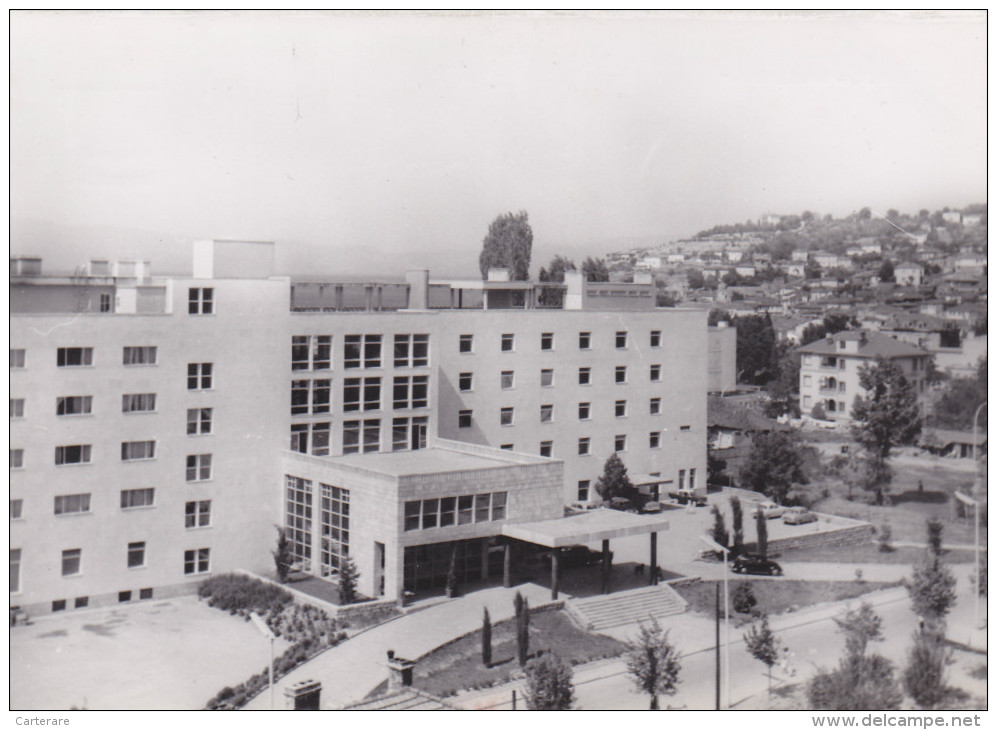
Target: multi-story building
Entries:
(829, 369)
(162, 428)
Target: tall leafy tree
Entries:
(282, 555)
(737, 525)
(956, 405)
(595, 269)
(653, 662)
(554, 272)
(614, 481)
(348, 575)
(932, 590)
(888, 416)
(508, 245)
(719, 530)
(774, 464)
(762, 530)
(924, 676)
(762, 644)
(548, 684)
(486, 639)
(757, 355)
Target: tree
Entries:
(924, 676)
(653, 662)
(554, 273)
(548, 684)
(714, 465)
(719, 530)
(595, 269)
(935, 528)
(886, 271)
(756, 349)
(762, 528)
(695, 279)
(282, 556)
(763, 645)
(486, 639)
(737, 525)
(932, 590)
(614, 481)
(348, 582)
(959, 399)
(861, 626)
(451, 588)
(887, 417)
(773, 464)
(522, 608)
(508, 245)
(743, 599)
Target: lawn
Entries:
(458, 666)
(775, 597)
(867, 553)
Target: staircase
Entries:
(626, 607)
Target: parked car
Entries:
(798, 516)
(754, 563)
(578, 556)
(651, 506)
(623, 504)
(770, 510)
(689, 496)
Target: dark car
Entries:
(578, 556)
(752, 563)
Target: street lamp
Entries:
(969, 501)
(976, 420)
(268, 634)
(725, 551)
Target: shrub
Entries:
(743, 599)
(885, 538)
(241, 594)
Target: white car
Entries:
(770, 510)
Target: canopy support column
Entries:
(653, 577)
(507, 565)
(605, 566)
(554, 573)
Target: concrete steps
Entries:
(626, 607)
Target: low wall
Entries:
(855, 535)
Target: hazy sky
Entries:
(372, 143)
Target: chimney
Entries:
(418, 289)
(399, 671)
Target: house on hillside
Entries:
(908, 274)
(731, 429)
(955, 444)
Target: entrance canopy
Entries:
(591, 526)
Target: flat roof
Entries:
(597, 524)
(425, 461)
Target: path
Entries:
(352, 670)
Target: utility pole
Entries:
(718, 644)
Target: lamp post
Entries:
(976, 422)
(260, 624)
(725, 551)
(976, 548)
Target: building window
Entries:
(546, 448)
(506, 416)
(72, 504)
(311, 352)
(200, 300)
(298, 519)
(17, 458)
(507, 379)
(466, 343)
(199, 375)
(508, 342)
(196, 561)
(409, 434)
(507, 447)
(77, 454)
(546, 413)
(362, 394)
(71, 561)
(74, 357)
(546, 378)
(584, 411)
(621, 408)
(681, 478)
(583, 490)
(464, 419)
(807, 381)
(124, 596)
(584, 340)
(411, 351)
(59, 605)
(362, 436)
(138, 450)
(72, 405)
(362, 351)
(144, 355)
(136, 554)
(547, 341)
(584, 445)
(197, 514)
(584, 376)
(82, 601)
(310, 396)
(15, 570)
(318, 434)
(692, 479)
(655, 338)
(655, 440)
(621, 373)
(16, 507)
(335, 524)
(426, 514)
(465, 381)
(621, 340)
(685, 428)
(198, 467)
(138, 403)
(134, 498)
(145, 594)
(411, 392)
(655, 373)
(16, 358)
(655, 406)
(198, 421)
(620, 442)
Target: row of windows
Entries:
(194, 561)
(469, 509)
(144, 594)
(198, 466)
(407, 433)
(314, 352)
(507, 342)
(465, 418)
(198, 419)
(130, 499)
(69, 357)
(507, 378)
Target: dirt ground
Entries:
(172, 654)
